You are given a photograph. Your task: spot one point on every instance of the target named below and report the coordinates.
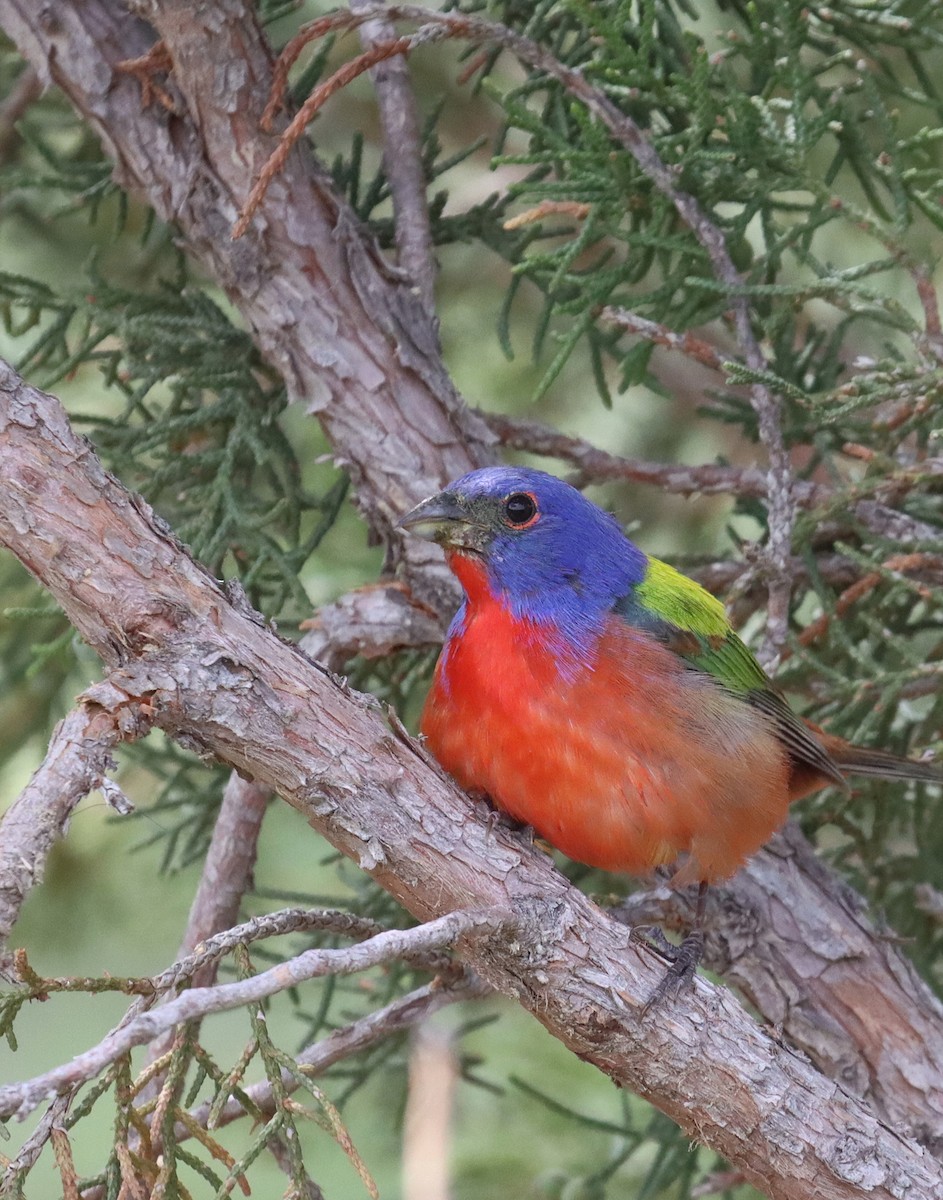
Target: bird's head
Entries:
(548, 553)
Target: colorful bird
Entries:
(601, 697)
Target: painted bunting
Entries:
(602, 697)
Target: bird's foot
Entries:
(682, 960)
(496, 819)
(652, 938)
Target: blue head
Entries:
(552, 556)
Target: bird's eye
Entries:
(520, 510)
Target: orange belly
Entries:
(624, 763)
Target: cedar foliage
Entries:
(811, 137)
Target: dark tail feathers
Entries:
(856, 760)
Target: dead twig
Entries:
(144, 68)
(594, 464)
(21, 1098)
(402, 160)
(78, 756)
(685, 343)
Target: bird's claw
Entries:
(652, 938)
(681, 972)
(496, 819)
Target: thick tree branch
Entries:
(210, 675)
(842, 991)
(348, 333)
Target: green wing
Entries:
(692, 623)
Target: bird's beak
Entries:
(445, 519)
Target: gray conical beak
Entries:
(445, 519)
(432, 518)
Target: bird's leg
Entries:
(496, 818)
(683, 958)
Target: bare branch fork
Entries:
(203, 669)
(20, 1099)
(76, 762)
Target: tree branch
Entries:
(20, 1099)
(848, 999)
(372, 621)
(210, 675)
(227, 870)
(348, 334)
(402, 160)
(594, 465)
(78, 756)
(685, 343)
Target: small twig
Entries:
(227, 871)
(594, 464)
(144, 68)
(276, 924)
(280, 1152)
(922, 278)
(359, 1035)
(31, 1149)
(24, 92)
(402, 160)
(62, 1149)
(21, 1098)
(858, 590)
(372, 621)
(685, 343)
(226, 875)
(303, 117)
(79, 754)
(548, 208)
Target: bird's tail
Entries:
(857, 760)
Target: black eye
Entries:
(520, 509)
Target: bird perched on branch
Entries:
(601, 697)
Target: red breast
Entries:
(623, 762)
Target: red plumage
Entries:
(623, 762)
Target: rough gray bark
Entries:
(221, 682)
(78, 756)
(805, 953)
(346, 331)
